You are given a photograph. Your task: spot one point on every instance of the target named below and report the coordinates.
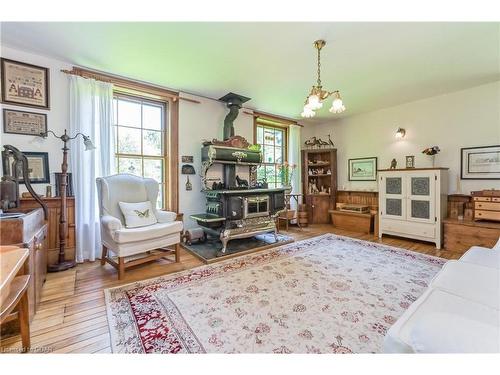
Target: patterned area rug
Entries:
(327, 294)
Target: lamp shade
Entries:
(89, 146)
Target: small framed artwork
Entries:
(25, 123)
(410, 161)
(480, 163)
(187, 158)
(24, 84)
(38, 167)
(363, 169)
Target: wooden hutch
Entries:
(319, 183)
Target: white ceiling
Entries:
(374, 65)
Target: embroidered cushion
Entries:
(138, 214)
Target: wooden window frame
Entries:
(164, 156)
(269, 123)
(171, 143)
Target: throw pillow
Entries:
(138, 214)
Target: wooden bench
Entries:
(352, 221)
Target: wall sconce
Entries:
(188, 169)
(400, 133)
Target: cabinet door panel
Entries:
(421, 193)
(392, 189)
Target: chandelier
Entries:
(314, 100)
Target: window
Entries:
(273, 142)
(140, 128)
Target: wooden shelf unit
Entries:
(318, 205)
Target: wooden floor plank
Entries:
(72, 314)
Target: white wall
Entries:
(197, 122)
(460, 119)
(57, 116)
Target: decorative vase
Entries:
(433, 160)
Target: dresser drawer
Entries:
(486, 215)
(490, 206)
(482, 199)
(409, 228)
(495, 199)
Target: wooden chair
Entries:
(13, 292)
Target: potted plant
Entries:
(432, 152)
(286, 171)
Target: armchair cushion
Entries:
(166, 216)
(126, 235)
(138, 214)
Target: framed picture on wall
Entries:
(363, 169)
(25, 123)
(24, 84)
(38, 167)
(480, 163)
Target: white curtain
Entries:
(294, 158)
(91, 113)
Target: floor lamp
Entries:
(63, 264)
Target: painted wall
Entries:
(57, 116)
(452, 121)
(197, 122)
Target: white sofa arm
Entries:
(110, 223)
(166, 216)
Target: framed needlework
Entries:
(25, 123)
(24, 84)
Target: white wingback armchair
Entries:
(134, 246)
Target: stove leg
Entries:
(224, 238)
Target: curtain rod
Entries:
(103, 77)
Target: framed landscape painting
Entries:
(24, 84)
(363, 169)
(480, 163)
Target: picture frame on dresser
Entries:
(24, 84)
(363, 169)
(480, 163)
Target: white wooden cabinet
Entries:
(413, 203)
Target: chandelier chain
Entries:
(319, 66)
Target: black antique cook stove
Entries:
(235, 207)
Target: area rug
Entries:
(327, 294)
(209, 251)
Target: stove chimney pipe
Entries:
(234, 103)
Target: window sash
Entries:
(266, 145)
(162, 130)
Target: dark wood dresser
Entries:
(54, 206)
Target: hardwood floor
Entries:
(72, 314)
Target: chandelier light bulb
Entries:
(307, 112)
(313, 102)
(337, 106)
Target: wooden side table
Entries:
(286, 213)
(13, 290)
